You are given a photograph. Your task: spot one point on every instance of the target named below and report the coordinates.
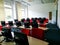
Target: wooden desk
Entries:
(34, 41)
(43, 28)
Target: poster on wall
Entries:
(50, 15)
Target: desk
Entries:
(34, 41)
(43, 28)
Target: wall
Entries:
(1, 10)
(42, 10)
(59, 13)
(2, 17)
(38, 9)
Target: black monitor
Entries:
(15, 20)
(10, 23)
(27, 24)
(18, 23)
(28, 19)
(3, 23)
(21, 38)
(34, 24)
(22, 20)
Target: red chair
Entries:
(26, 31)
(46, 21)
(38, 33)
(0, 28)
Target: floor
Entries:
(32, 41)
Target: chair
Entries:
(53, 36)
(1, 28)
(26, 31)
(38, 33)
(21, 38)
(7, 34)
(46, 20)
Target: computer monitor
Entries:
(21, 38)
(34, 24)
(18, 23)
(27, 25)
(10, 23)
(3, 23)
(15, 20)
(22, 20)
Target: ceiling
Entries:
(33, 1)
(41, 1)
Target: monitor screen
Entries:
(16, 20)
(18, 23)
(3, 23)
(10, 23)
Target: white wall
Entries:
(37, 9)
(42, 10)
(59, 13)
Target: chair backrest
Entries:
(21, 38)
(7, 33)
(1, 28)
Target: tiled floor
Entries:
(32, 41)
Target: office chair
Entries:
(3, 23)
(7, 34)
(1, 27)
(10, 23)
(20, 38)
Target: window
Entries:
(8, 10)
